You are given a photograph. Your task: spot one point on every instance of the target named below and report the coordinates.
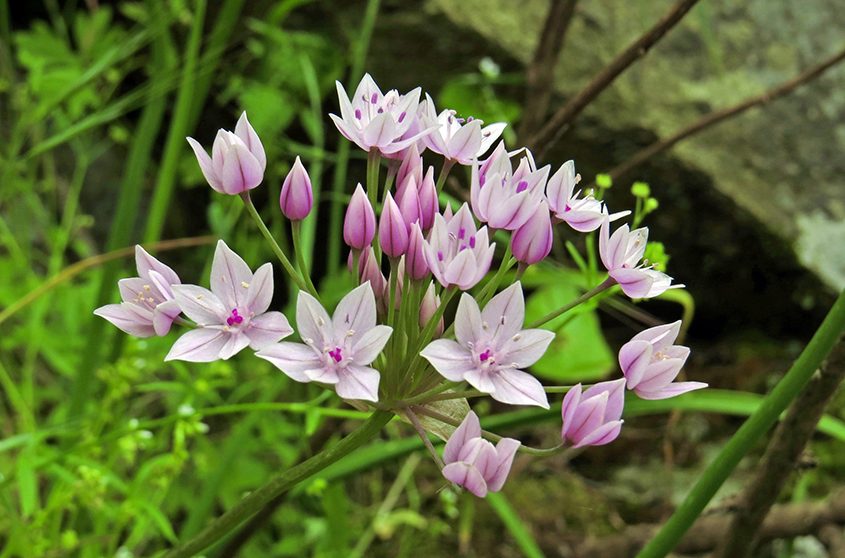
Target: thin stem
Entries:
(299, 249)
(415, 421)
(604, 285)
(749, 433)
(444, 174)
(490, 288)
(254, 501)
(268, 236)
(373, 167)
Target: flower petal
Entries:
(129, 318)
(146, 263)
(230, 277)
(602, 435)
(635, 283)
(467, 476)
(450, 359)
(370, 344)
(671, 390)
(206, 165)
(312, 320)
(660, 336)
(236, 343)
(468, 324)
(199, 304)
(469, 428)
(505, 453)
(266, 329)
(527, 347)
(504, 314)
(358, 382)
(291, 358)
(634, 358)
(259, 293)
(163, 316)
(199, 345)
(356, 313)
(516, 387)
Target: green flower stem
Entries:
(250, 207)
(750, 433)
(299, 249)
(444, 174)
(373, 167)
(603, 286)
(256, 500)
(428, 331)
(489, 289)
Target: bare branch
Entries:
(719, 116)
(778, 462)
(540, 73)
(559, 122)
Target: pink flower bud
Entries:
(392, 230)
(411, 167)
(359, 225)
(368, 270)
(428, 200)
(296, 199)
(415, 264)
(428, 307)
(409, 204)
(594, 417)
(533, 241)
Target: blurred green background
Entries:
(107, 451)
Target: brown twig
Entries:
(784, 521)
(561, 119)
(721, 115)
(778, 462)
(540, 73)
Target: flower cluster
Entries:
(389, 344)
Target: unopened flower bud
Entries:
(428, 307)
(296, 199)
(359, 225)
(415, 264)
(409, 204)
(237, 159)
(428, 200)
(392, 231)
(533, 241)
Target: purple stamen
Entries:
(358, 114)
(462, 233)
(470, 119)
(462, 248)
(440, 255)
(521, 186)
(235, 318)
(401, 116)
(374, 98)
(335, 354)
(472, 242)
(484, 356)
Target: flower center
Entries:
(336, 354)
(235, 318)
(483, 357)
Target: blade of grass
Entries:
(175, 143)
(518, 530)
(339, 180)
(749, 433)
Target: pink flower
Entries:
(377, 121)
(411, 167)
(594, 417)
(409, 203)
(621, 254)
(650, 363)
(296, 198)
(429, 204)
(456, 253)
(230, 316)
(392, 230)
(506, 199)
(369, 270)
(533, 241)
(148, 307)
(359, 225)
(474, 463)
(237, 159)
(492, 348)
(337, 350)
(582, 214)
(458, 139)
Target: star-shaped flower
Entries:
(230, 316)
(337, 350)
(492, 349)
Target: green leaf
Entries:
(523, 537)
(578, 351)
(454, 408)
